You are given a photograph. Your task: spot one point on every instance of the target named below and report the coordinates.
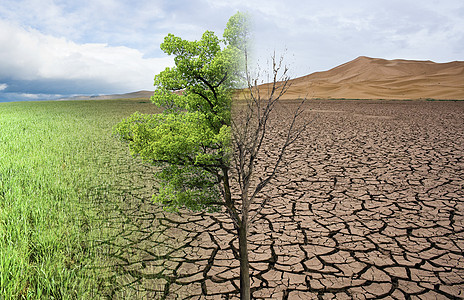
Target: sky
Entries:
(53, 49)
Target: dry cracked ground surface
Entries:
(369, 205)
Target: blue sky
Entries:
(56, 48)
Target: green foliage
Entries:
(202, 76)
(190, 140)
(237, 33)
(237, 36)
(188, 186)
(57, 160)
(188, 151)
(39, 220)
(178, 139)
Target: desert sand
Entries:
(366, 78)
(375, 78)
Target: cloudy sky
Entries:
(56, 48)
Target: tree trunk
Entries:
(244, 266)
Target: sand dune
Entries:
(368, 78)
(375, 78)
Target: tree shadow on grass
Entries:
(144, 250)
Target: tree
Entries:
(249, 131)
(200, 148)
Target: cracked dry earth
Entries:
(368, 206)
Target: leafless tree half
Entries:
(250, 129)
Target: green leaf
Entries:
(190, 140)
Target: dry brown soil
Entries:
(369, 205)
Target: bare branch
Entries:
(250, 129)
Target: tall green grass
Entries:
(54, 158)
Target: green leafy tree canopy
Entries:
(190, 140)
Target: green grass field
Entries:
(56, 162)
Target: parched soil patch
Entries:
(369, 205)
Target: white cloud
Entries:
(323, 34)
(27, 54)
(31, 97)
(109, 42)
(3, 86)
(135, 24)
